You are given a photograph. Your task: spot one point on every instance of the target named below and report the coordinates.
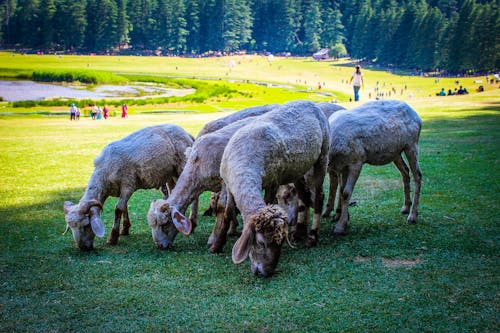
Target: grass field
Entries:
(440, 275)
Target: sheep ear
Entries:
(182, 223)
(241, 248)
(67, 206)
(97, 225)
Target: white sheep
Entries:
(201, 173)
(148, 158)
(376, 133)
(277, 148)
(219, 123)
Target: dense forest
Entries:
(455, 35)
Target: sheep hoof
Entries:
(412, 219)
(234, 233)
(312, 239)
(125, 232)
(112, 241)
(113, 237)
(340, 230)
(215, 250)
(405, 210)
(300, 232)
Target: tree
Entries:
(46, 27)
(461, 43)
(123, 25)
(193, 26)
(237, 24)
(312, 26)
(70, 21)
(332, 30)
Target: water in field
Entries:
(13, 91)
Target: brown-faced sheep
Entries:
(277, 148)
(148, 158)
(201, 173)
(376, 133)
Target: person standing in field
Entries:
(93, 111)
(105, 112)
(124, 110)
(357, 82)
(72, 112)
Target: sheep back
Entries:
(373, 133)
(145, 158)
(233, 117)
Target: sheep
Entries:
(148, 158)
(201, 173)
(329, 108)
(277, 148)
(233, 117)
(376, 133)
(222, 122)
(286, 195)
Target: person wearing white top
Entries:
(357, 82)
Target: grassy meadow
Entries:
(440, 275)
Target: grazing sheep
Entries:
(277, 148)
(329, 108)
(288, 203)
(200, 174)
(148, 158)
(217, 124)
(376, 133)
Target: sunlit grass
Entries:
(385, 275)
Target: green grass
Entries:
(440, 275)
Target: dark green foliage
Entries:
(454, 35)
(83, 76)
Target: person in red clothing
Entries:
(105, 112)
(124, 110)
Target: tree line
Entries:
(456, 35)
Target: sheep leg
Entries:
(332, 193)
(405, 173)
(270, 194)
(304, 195)
(218, 202)
(412, 156)
(120, 210)
(349, 177)
(312, 239)
(221, 238)
(193, 214)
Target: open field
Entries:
(438, 275)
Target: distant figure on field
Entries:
(72, 112)
(77, 114)
(462, 91)
(357, 82)
(441, 93)
(93, 111)
(124, 110)
(105, 112)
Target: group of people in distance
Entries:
(96, 113)
(459, 91)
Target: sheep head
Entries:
(261, 240)
(288, 199)
(84, 221)
(166, 221)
